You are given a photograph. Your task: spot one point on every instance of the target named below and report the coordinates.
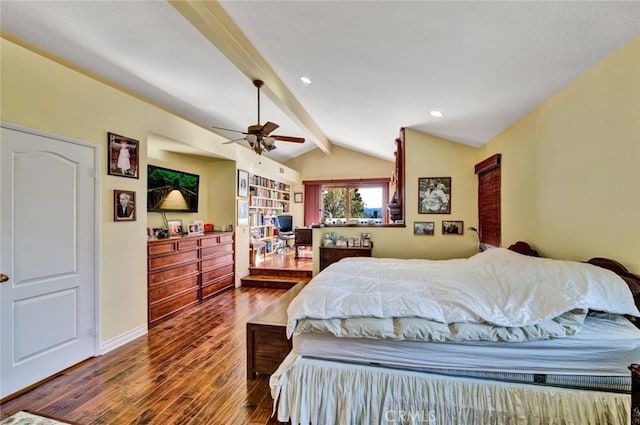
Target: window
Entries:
(362, 201)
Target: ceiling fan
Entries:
(259, 136)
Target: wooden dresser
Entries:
(331, 254)
(185, 270)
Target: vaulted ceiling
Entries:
(374, 66)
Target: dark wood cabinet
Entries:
(331, 254)
(186, 270)
(267, 343)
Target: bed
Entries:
(499, 338)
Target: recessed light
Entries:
(305, 80)
(437, 114)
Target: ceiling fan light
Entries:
(269, 141)
(252, 139)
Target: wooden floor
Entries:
(190, 369)
(287, 260)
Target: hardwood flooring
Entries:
(190, 369)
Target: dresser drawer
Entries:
(209, 275)
(216, 250)
(157, 277)
(213, 287)
(169, 288)
(178, 302)
(163, 261)
(217, 261)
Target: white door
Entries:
(47, 256)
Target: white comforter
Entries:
(497, 287)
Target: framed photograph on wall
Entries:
(243, 184)
(452, 227)
(423, 227)
(122, 156)
(297, 197)
(243, 212)
(434, 195)
(124, 205)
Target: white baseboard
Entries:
(123, 339)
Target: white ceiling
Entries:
(376, 66)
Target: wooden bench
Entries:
(267, 343)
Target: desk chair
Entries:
(284, 223)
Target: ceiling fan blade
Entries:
(268, 127)
(289, 139)
(233, 141)
(228, 129)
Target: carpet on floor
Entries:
(27, 418)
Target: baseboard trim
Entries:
(123, 339)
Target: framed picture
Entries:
(122, 157)
(243, 212)
(452, 227)
(423, 227)
(160, 233)
(434, 195)
(200, 225)
(124, 205)
(175, 227)
(192, 229)
(297, 197)
(243, 183)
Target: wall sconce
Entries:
(481, 245)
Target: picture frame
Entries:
(434, 195)
(192, 230)
(124, 205)
(122, 156)
(243, 183)
(175, 227)
(243, 212)
(423, 228)
(160, 233)
(200, 225)
(297, 197)
(453, 227)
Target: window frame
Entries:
(348, 184)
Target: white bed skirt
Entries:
(318, 392)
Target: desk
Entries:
(253, 251)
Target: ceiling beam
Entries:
(216, 25)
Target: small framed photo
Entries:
(124, 205)
(200, 225)
(122, 157)
(192, 229)
(351, 242)
(243, 184)
(366, 242)
(160, 233)
(434, 195)
(175, 227)
(297, 197)
(423, 227)
(243, 212)
(452, 227)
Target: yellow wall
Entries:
(39, 93)
(571, 167)
(426, 156)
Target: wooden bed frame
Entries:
(633, 281)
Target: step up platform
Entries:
(275, 278)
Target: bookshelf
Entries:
(267, 199)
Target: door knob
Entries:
(4, 277)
